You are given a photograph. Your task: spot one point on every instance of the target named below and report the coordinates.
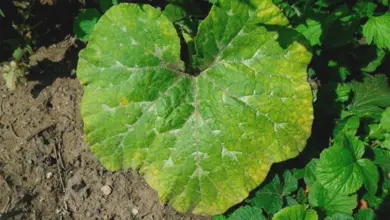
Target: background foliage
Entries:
(344, 171)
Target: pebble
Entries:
(134, 211)
(49, 175)
(107, 190)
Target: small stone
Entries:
(134, 211)
(49, 175)
(107, 190)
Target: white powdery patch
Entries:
(153, 109)
(198, 155)
(175, 132)
(283, 99)
(109, 109)
(216, 132)
(124, 29)
(242, 33)
(278, 126)
(287, 55)
(155, 131)
(168, 162)
(130, 128)
(245, 99)
(133, 41)
(199, 172)
(229, 153)
(230, 13)
(259, 54)
(141, 19)
(119, 65)
(158, 51)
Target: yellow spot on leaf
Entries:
(124, 100)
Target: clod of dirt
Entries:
(107, 190)
(78, 186)
(50, 160)
(54, 53)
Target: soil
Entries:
(46, 168)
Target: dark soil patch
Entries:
(46, 169)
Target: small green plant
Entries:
(86, 20)
(12, 71)
(203, 134)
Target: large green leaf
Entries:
(312, 29)
(106, 4)
(270, 196)
(348, 125)
(84, 23)
(341, 168)
(174, 12)
(331, 201)
(377, 29)
(202, 142)
(365, 214)
(371, 96)
(385, 120)
(375, 61)
(382, 158)
(296, 212)
(290, 183)
(339, 216)
(381, 132)
(247, 212)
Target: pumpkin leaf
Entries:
(195, 139)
